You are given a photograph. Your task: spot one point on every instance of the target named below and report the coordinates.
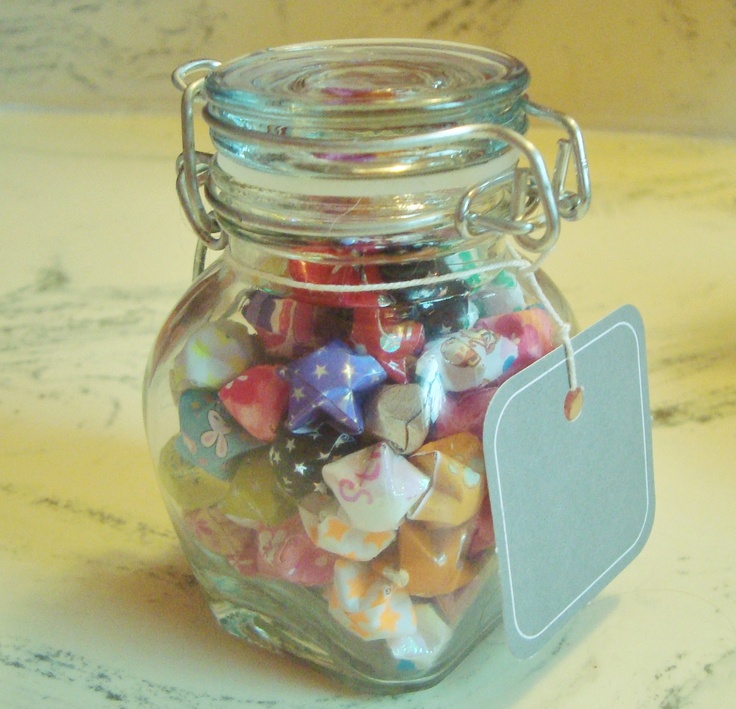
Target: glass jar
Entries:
(315, 401)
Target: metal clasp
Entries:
(531, 190)
(571, 205)
(535, 202)
(192, 166)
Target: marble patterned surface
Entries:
(97, 605)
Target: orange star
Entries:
(335, 529)
(388, 619)
(357, 587)
(378, 539)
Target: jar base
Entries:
(257, 610)
(262, 631)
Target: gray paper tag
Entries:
(572, 501)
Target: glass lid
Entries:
(366, 85)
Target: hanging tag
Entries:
(572, 500)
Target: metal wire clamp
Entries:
(193, 166)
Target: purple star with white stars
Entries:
(326, 382)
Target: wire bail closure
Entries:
(537, 202)
(192, 166)
(571, 205)
(531, 188)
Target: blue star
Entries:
(326, 382)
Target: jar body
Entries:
(315, 402)
(363, 544)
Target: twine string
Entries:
(525, 269)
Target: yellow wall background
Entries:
(651, 65)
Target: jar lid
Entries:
(438, 125)
(336, 101)
(319, 90)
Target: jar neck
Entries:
(375, 215)
(373, 274)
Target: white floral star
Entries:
(290, 444)
(320, 371)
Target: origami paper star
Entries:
(220, 535)
(286, 552)
(213, 355)
(375, 486)
(189, 486)
(532, 330)
(297, 459)
(434, 558)
(253, 499)
(327, 382)
(422, 648)
(464, 411)
(210, 437)
(469, 358)
(456, 467)
(390, 340)
(287, 327)
(257, 400)
(329, 273)
(446, 312)
(399, 414)
(368, 604)
(330, 528)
